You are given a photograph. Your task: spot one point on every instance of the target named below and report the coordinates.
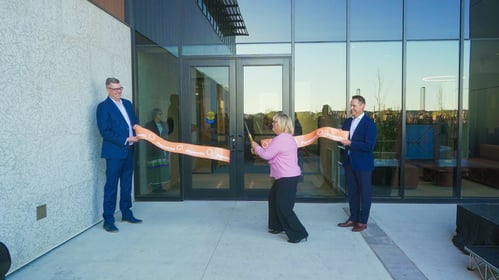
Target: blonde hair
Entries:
(284, 123)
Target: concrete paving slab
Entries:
(229, 240)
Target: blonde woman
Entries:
(282, 156)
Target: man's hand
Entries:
(133, 139)
(346, 142)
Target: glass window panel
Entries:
(466, 19)
(157, 175)
(370, 20)
(263, 48)
(375, 73)
(266, 21)
(431, 124)
(263, 92)
(320, 20)
(480, 163)
(483, 20)
(430, 19)
(320, 100)
(203, 50)
(210, 124)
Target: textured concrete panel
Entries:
(55, 58)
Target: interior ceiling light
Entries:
(449, 78)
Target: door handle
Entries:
(233, 143)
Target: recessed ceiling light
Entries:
(439, 78)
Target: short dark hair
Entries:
(360, 98)
(112, 81)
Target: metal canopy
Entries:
(227, 17)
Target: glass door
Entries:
(264, 88)
(210, 99)
(224, 96)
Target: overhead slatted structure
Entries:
(226, 16)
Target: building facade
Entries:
(429, 71)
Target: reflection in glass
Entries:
(432, 126)
(480, 121)
(203, 50)
(156, 175)
(263, 48)
(482, 19)
(328, 24)
(320, 100)
(430, 94)
(375, 74)
(266, 21)
(370, 20)
(425, 20)
(210, 124)
(262, 86)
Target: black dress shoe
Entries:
(347, 224)
(275, 231)
(132, 220)
(297, 240)
(110, 227)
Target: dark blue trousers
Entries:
(282, 198)
(118, 170)
(359, 194)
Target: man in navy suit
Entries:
(358, 161)
(115, 119)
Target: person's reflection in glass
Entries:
(158, 173)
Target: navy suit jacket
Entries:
(361, 156)
(114, 128)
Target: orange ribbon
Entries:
(309, 138)
(208, 152)
(222, 154)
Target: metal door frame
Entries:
(236, 64)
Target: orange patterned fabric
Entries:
(208, 152)
(221, 154)
(309, 138)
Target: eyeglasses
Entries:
(274, 121)
(115, 89)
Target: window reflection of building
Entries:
(157, 89)
(326, 145)
(320, 77)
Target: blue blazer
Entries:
(114, 128)
(361, 150)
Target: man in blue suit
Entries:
(115, 119)
(358, 161)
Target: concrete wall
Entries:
(54, 58)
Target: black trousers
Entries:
(282, 197)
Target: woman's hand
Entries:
(253, 147)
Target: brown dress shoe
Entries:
(347, 224)
(359, 227)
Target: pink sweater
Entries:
(282, 154)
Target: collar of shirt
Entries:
(355, 122)
(124, 113)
